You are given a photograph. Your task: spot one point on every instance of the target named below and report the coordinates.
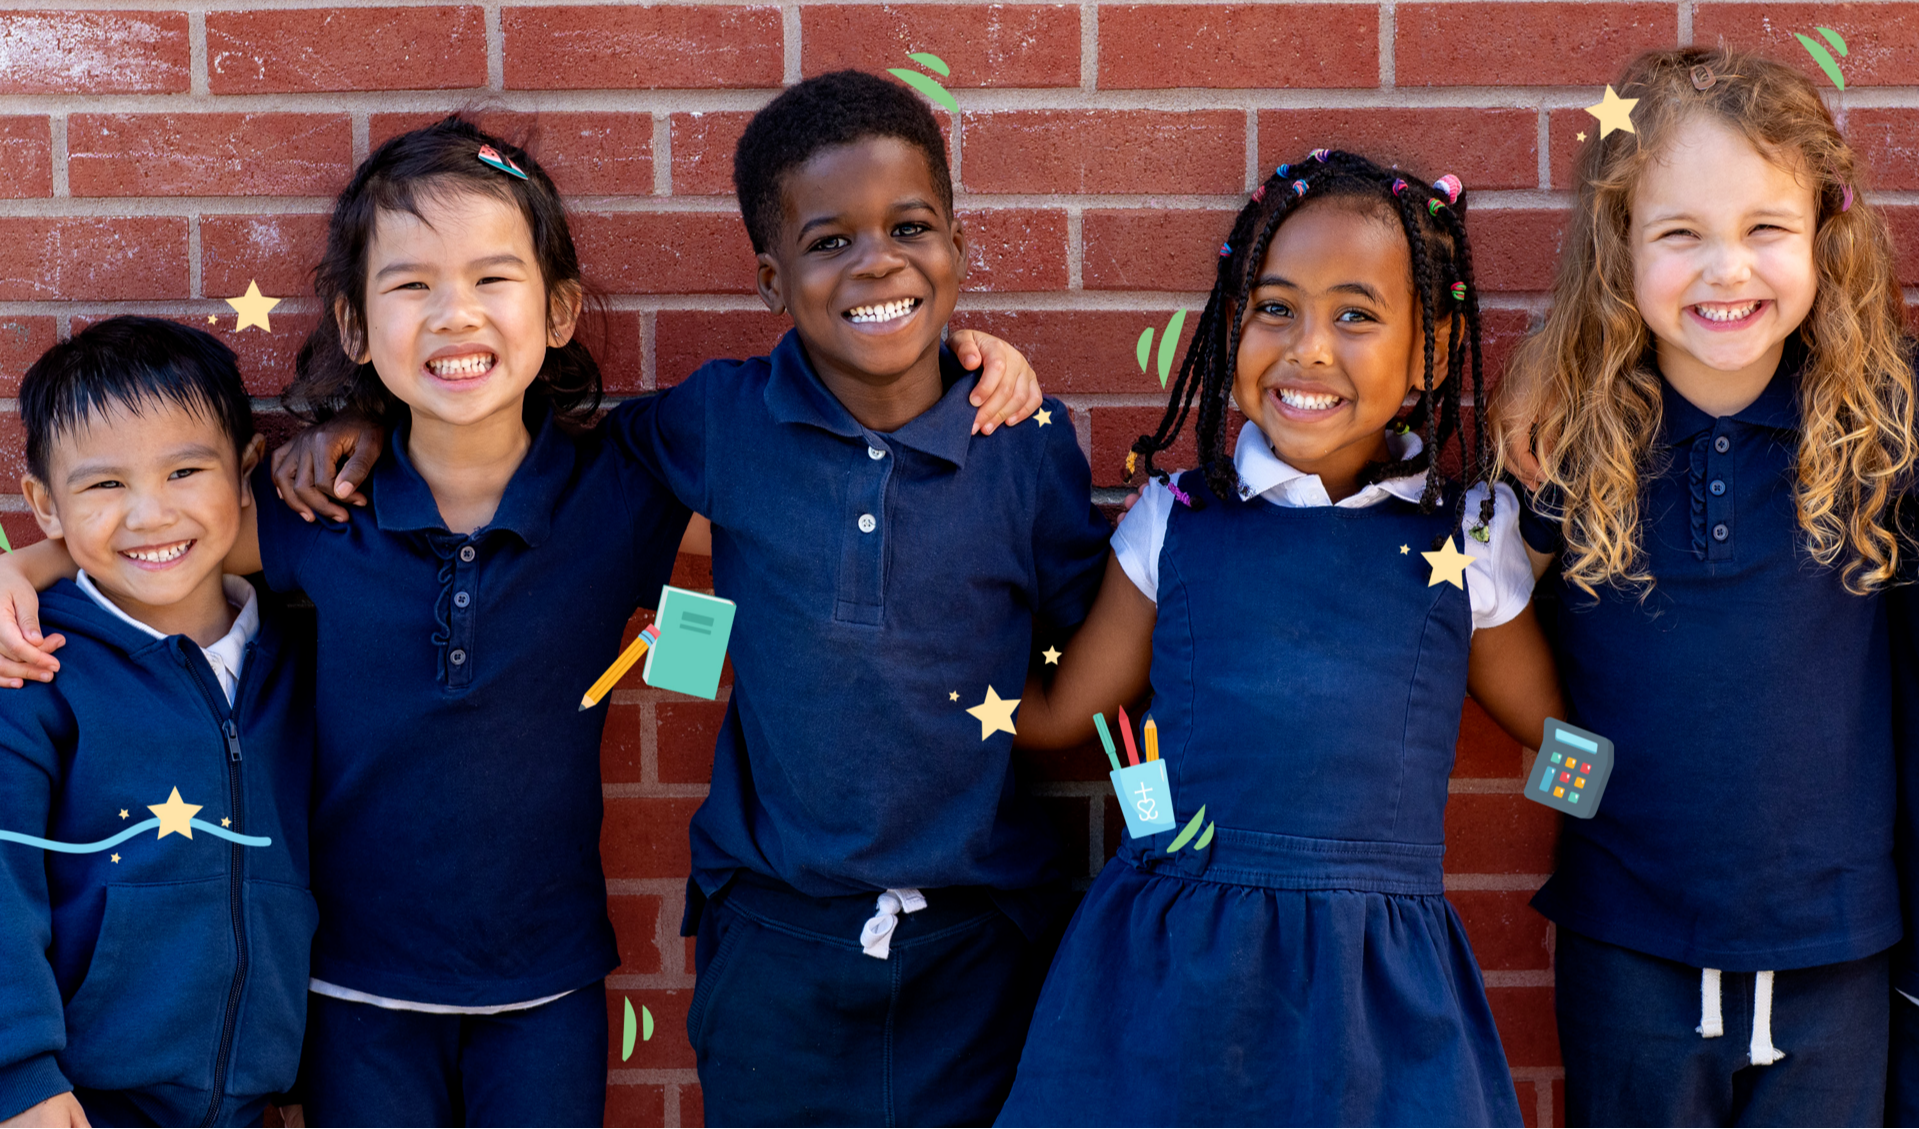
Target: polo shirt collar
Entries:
(1262, 473)
(795, 394)
(1777, 407)
(403, 502)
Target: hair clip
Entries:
(1259, 194)
(1225, 249)
(1398, 187)
(1180, 495)
(1299, 188)
(491, 157)
(1449, 184)
(1845, 197)
(1703, 78)
(1320, 155)
(1459, 292)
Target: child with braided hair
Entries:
(1309, 628)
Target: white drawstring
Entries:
(1712, 1022)
(876, 936)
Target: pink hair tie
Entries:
(1299, 188)
(1225, 249)
(1398, 187)
(1320, 155)
(1845, 204)
(1449, 184)
(1259, 194)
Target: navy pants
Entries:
(367, 1065)
(795, 1025)
(1628, 1029)
(1902, 1067)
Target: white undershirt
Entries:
(227, 653)
(1499, 583)
(321, 987)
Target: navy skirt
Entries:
(1269, 979)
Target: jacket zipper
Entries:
(236, 905)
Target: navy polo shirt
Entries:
(456, 824)
(1748, 821)
(886, 582)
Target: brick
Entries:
(642, 48)
(590, 153)
(614, 339)
(696, 573)
(666, 252)
(26, 152)
(1566, 134)
(1084, 351)
(1071, 820)
(1105, 151)
(1904, 222)
(80, 258)
(13, 452)
(1882, 40)
(686, 339)
(1485, 147)
(1238, 45)
(21, 529)
(1506, 932)
(621, 755)
(74, 52)
(1116, 429)
(308, 50)
(1484, 749)
(22, 339)
(1526, 1025)
(265, 359)
(636, 922)
(687, 734)
(703, 147)
(983, 44)
(270, 154)
(1883, 138)
(277, 251)
(1516, 248)
(1015, 249)
(668, 1048)
(646, 838)
(1501, 331)
(1499, 833)
(1153, 248)
(1473, 44)
(692, 1105)
(634, 1103)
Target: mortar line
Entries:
(57, 139)
(1388, 32)
(196, 271)
(1089, 46)
(662, 153)
(197, 84)
(791, 46)
(495, 45)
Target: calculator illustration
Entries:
(1571, 772)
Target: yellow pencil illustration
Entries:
(619, 668)
(1152, 740)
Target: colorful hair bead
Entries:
(492, 158)
(1459, 292)
(1281, 171)
(1132, 462)
(1398, 187)
(1259, 194)
(1449, 184)
(1845, 198)
(1299, 188)
(1320, 155)
(1225, 249)
(1433, 206)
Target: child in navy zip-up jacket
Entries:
(155, 920)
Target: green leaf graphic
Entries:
(1144, 347)
(646, 1024)
(1823, 57)
(1832, 37)
(1205, 839)
(926, 86)
(626, 1033)
(935, 63)
(1185, 836)
(1167, 343)
(6, 546)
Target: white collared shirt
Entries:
(1499, 583)
(229, 652)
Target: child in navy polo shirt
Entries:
(1721, 406)
(154, 913)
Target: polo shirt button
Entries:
(461, 599)
(1720, 532)
(457, 658)
(868, 524)
(1722, 444)
(466, 553)
(1718, 486)
(875, 453)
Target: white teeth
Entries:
(159, 556)
(1308, 401)
(1730, 313)
(452, 368)
(883, 311)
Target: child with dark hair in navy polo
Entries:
(1309, 628)
(154, 913)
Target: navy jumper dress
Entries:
(1305, 967)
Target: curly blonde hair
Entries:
(1586, 385)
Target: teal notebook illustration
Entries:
(691, 649)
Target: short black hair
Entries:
(133, 363)
(833, 109)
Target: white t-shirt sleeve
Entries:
(1500, 581)
(1141, 535)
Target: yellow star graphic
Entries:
(954, 696)
(175, 815)
(1404, 549)
(116, 857)
(1613, 113)
(123, 813)
(1052, 655)
(1449, 565)
(1580, 136)
(226, 823)
(1045, 417)
(252, 308)
(995, 714)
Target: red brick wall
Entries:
(156, 156)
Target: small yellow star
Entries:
(954, 696)
(252, 308)
(1580, 136)
(1045, 417)
(1613, 113)
(175, 815)
(1449, 565)
(116, 857)
(226, 823)
(1052, 655)
(123, 813)
(995, 714)
(211, 319)
(1404, 549)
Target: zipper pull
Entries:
(232, 732)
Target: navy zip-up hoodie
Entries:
(171, 970)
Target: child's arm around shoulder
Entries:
(1510, 672)
(1105, 665)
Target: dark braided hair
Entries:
(1443, 284)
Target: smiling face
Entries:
(868, 262)
(457, 319)
(1330, 344)
(1722, 262)
(149, 505)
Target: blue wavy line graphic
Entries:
(147, 825)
